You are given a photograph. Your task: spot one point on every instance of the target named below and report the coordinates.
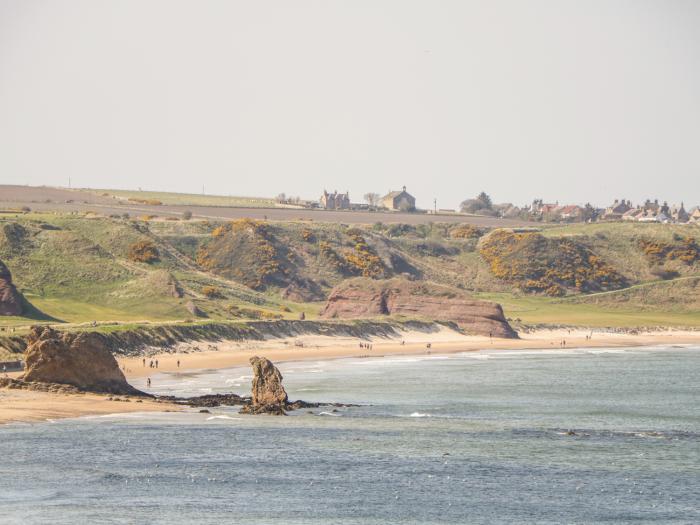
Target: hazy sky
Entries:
(569, 100)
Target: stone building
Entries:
(399, 200)
(335, 200)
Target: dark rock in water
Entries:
(10, 298)
(209, 400)
(204, 411)
(82, 360)
(272, 410)
(269, 396)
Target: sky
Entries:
(568, 101)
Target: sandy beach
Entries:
(226, 354)
(28, 406)
(31, 406)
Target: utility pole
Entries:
(435, 205)
(68, 181)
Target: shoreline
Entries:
(32, 406)
(229, 354)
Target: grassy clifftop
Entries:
(79, 268)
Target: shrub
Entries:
(363, 258)
(243, 250)
(186, 215)
(150, 202)
(212, 292)
(686, 250)
(143, 251)
(537, 264)
(308, 235)
(465, 231)
(399, 230)
(333, 258)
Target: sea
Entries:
(550, 436)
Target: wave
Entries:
(612, 434)
(238, 379)
(224, 417)
(419, 414)
(328, 414)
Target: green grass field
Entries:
(545, 310)
(190, 199)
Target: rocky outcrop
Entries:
(10, 298)
(357, 298)
(82, 360)
(268, 394)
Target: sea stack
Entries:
(268, 394)
(82, 360)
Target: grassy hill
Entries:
(83, 267)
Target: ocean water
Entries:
(467, 438)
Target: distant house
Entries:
(335, 201)
(571, 212)
(633, 215)
(617, 210)
(399, 200)
(546, 209)
(678, 214)
(650, 206)
(695, 215)
(652, 216)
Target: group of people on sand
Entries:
(151, 364)
(368, 346)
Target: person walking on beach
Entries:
(144, 362)
(178, 363)
(156, 363)
(148, 382)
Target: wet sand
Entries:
(31, 406)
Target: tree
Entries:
(485, 200)
(481, 204)
(589, 212)
(372, 199)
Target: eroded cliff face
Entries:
(10, 299)
(357, 298)
(82, 360)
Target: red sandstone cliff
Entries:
(356, 298)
